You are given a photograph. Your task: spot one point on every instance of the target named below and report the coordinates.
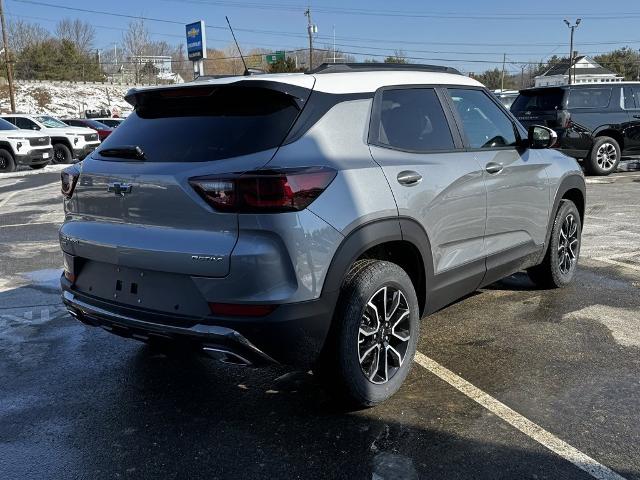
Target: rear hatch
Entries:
(133, 205)
(540, 106)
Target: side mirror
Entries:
(35, 127)
(541, 137)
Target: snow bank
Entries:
(65, 99)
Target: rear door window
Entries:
(631, 98)
(628, 102)
(26, 124)
(484, 123)
(205, 123)
(589, 97)
(412, 119)
(543, 100)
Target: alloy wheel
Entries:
(568, 244)
(58, 156)
(606, 156)
(384, 333)
(3, 163)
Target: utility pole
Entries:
(334, 44)
(571, 66)
(522, 76)
(310, 29)
(7, 60)
(504, 59)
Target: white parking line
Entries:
(613, 219)
(618, 264)
(29, 224)
(6, 199)
(526, 426)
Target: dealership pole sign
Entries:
(196, 41)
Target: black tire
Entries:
(61, 154)
(7, 163)
(38, 167)
(345, 359)
(604, 157)
(553, 271)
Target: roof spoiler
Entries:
(136, 96)
(381, 67)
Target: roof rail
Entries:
(376, 67)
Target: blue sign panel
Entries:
(196, 41)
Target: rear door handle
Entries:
(493, 167)
(409, 178)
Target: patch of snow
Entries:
(68, 99)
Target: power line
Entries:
(410, 14)
(302, 35)
(366, 54)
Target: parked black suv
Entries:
(596, 122)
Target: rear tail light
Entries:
(264, 191)
(69, 178)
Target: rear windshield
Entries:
(589, 97)
(94, 124)
(204, 124)
(51, 122)
(4, 125)
(539, 100)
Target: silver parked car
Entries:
(313, 219)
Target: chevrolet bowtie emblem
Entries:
(119, 188)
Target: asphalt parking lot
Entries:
(512, 382)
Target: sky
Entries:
(469, 35)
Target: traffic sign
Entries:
(275, 57)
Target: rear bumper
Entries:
(35, 156)
(292, 333)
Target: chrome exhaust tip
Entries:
(226, 356)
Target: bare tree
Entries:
(24, 34)
(135, 43)
(81, 34)
(180, 64)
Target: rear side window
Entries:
(539, 100)
(631, 97)
(412, 119)
(485, 124)
(26, 124)
(589, 97)
(4, 125)
(204, 124)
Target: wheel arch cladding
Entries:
(398, 240)
(7, 147)
(63, 140)
(609, 132)
(572, 188)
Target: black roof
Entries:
(376, 67)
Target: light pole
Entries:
(572, 27)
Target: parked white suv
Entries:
(69, 143)
(23, 147)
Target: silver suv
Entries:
(313, 219)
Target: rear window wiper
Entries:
(133, 152)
